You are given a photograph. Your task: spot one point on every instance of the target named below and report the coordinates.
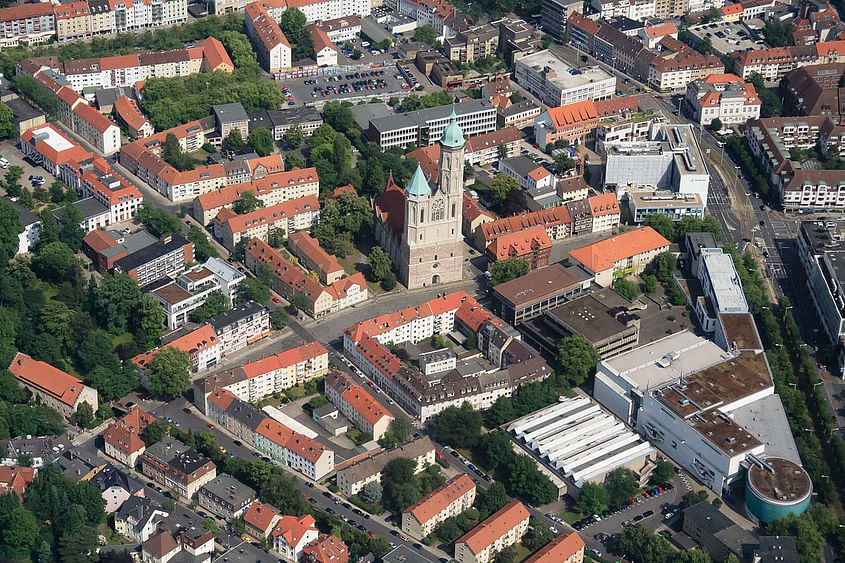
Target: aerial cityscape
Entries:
(422, 281)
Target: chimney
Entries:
(165, 238)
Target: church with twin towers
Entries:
(420, 227)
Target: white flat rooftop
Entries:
(661, 361)
(728, 296)
(53, 137)
(564, 77)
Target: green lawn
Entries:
(522, 552)
(571, 517)
(124, 338)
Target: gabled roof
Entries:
(125, 434)
(194, 342)
(128, 111)
(559, 549)
(215, 54)
(15, 478)
(286, 209)
(327, 549)
(603, 254)
(389, 206)
(519, 244)
(604, 204)
(261, 516)
(439, 499)
(496, 526)
(572, 114)
(293, 529)
(46, 378)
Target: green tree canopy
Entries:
(503, 271)
(10, 228)
(426, 34)
(261, 141)
(577, 359)
(380, 264)
(157, 220)
(502, 186)
(592, 499)
(621, 485)
(458, 427)
(626, 288)
(400, 488)
(7, 122)
(168, 372)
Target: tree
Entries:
(397, 433)
(503, 271)
(661, 223)
(76, 545)
(7, 122)
(626, 288)
(563, 163)
(84, 414)
(168, 372)
(154, 432)
(577, 359)
(426, 34)
(203, 250)
(54, 262)
(157, 220)
(527, 481)
(299, 303)
(234, 141)
(502, 186)
(339, 116)
(501, 412)
(20, 529)
(211, 525)
(261, 141)
(253, 289)
(458, 427)
(490, 500)
(593, 499)
(293, 161)
(621, 485)
(778, 33)
(148, 322)
(649, 283)
(643, 547)
(808, 540)
(507, 555)
(663, 473)
(279, 318)
(715, 124)
(537, 536)
(293, 24)
(115, 301)
(693, 497)
(380, 264)
(771, 105)
(400, 488)
(71, 232)
(173, 154)
(389, 282)
(371, 493)
(663, 266)
(294, 137)
(215, 303)
(497, 448)
(10, 228)
(55, 318)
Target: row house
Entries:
(93, 177)
(88, 123)
(357, 405)
(273, 48)
(176, 467)
(201, 345)
(240, 326)
(502, 529)
(773, 63)
(283, 219)
(122, 438)
(137, 124)
(271, 190)
(311, 255)
(675, 71)
(299, 452)
(318, 10)
(637, 10)
(451, 499)
(555, 220)
(272, 374)
(240, 418)
(31, 23)
(290, 280)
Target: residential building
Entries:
(51, 148)
(230, 117)
(724, 97)
(272, 374)
(135, 122)
(425, 127)
(95, 215)
(556, 83)
(181, 296)
(55, 388)
(326, 549)
(773, 63)
(532, 245)
(31, 23)
(95, 128)
(186, 527)
(116, 487)
(575, 122)
(279, 121)
(260, 520)
(555, 13)
(715, 532)
(631, 128)
(626, 253)
(301, 453)
(533, 294)
(638, 10)
(519, 115)
(352, 478)
(485, 149)
(651, 35)
(342, 29)
(357, 405)
(41, 450)
(142, 256)
(472, 44)
(93, 177)
(313, 257)
(289, 280)
(28, 237)
(325, 52)
(122, 438)
(241, 419)
(15, 479)
(176, 467)
(502, 529)
(815, 90)
(529, 174)
(445, 18)
(271, 190)
(605, 212)
(473, 217)
(292, 534)
(448, 500)
(240, 326)
(556, 221)
(272, 46)
(137, 519)
(777, 144)
(225, 496)
(283, 218)
(201, 345)
(679, 66)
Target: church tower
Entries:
(432, 244)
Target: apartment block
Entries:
(351, 479)
(122, 438)
(301, 453)
(278, 121)
(503, 529)
(575, 122)
(283, 218)
(176, 467)
(201, 345)
(32, 23)
(555, 13)
(312, 256)
(452, 498)
(356, 404)
(226, 497)
(273, 48)
(240, 326)
(724, 97)
(472, 44)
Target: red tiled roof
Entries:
(221, 398)
(287, 274)
(427, 158)
(545, 217)
(293, 528)
(311, 248)
(472, 315)
(572, 114)
(194, 342)
(604, 204)
(584, 23)
(75, 152)
(26, 11)
(471, 209)
(389, 206)
(341, 287)
(98, 241)
(731, 9)
(327, 549)
(357, 397)
(15, 479)
(519, 244)
(439, 499)
(46, 378)
(559, 549)
(215, 54)
(602, 255)
(266, 28)
(71, 10)
(307, 351)
(259, 186)
(128, 111)
(261, 516)
(493, 139)
(94, 118)
(496, 526)
(617, 106)
(125, 434)
(286, 209)
(320, 39)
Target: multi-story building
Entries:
(181, 535)
(32, 23)
(201, 345)
(73, 21)
(605, 212)
(575, 122)
(556, 83)
(272, 374)
(283, 218)
(721, 287)
(138, 518)
(292, 533)
(638, 10)
(483, 150)
(241, 419)
(312, 256)
(55, 388)
(356, 404)
(532, 245)
(556, 221)
(533, 294)
(472, 44)
(279, 121)
(93, 177)
(425, 127)
(326, 549)
(122, 438)
(724, 97)
(273, 47)
(445, 18)
(301, 453)
(626, 253)
(179, 297)
(271, 190)
(555, 13)
(342, 29)
(225, 496)
(289, 280)
(176, 467)
(777, 144)
(518, 115)
(136, 122)
(352, 478)
(260, 519)
(635, 127)
(95, 128)
(450, 499)
(140, 255)
(502, 529)
(676, 205)
(681, 66)
(51, 148)
(240, 326)
(814, 90)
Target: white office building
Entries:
(557, 83)
(721, 286)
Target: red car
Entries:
(276, 299)
(211, 426)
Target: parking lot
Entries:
(348, 85)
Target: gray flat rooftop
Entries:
(593, 315)
(564, 79)
(421, 117)
(230, 113)
(765, 419)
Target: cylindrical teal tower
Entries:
(776, 487)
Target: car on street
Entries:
(275, 299)
(418, 546)
(210, 426)
(237, 443)
(648, 513)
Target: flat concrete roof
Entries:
(539, 284)
(594, 316)
(766, 420)
(564, 78)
